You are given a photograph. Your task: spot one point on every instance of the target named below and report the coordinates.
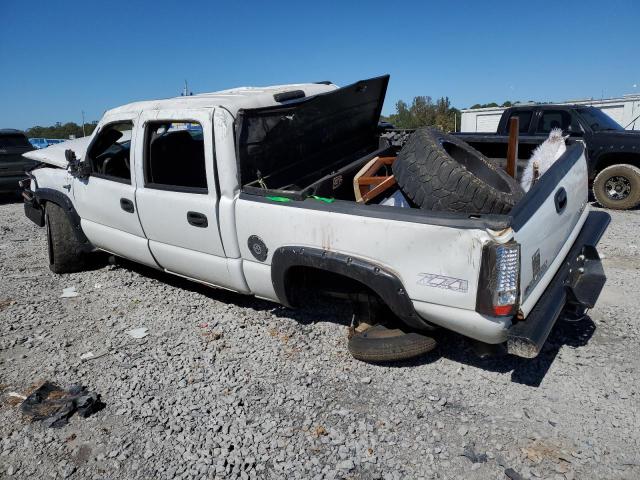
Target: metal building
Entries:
(624, 110)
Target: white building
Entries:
(624, 110)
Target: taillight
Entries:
(499, 279)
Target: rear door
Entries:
(547, 221)
(176, 195)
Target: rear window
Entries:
(13, 140)
(554, 119)
(524, 117)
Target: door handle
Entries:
(561, 199)
(197, 219)
(127, 205)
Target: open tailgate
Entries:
(547, 222)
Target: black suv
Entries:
(13, 143)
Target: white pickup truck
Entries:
(250, 190)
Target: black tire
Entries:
(381, 344)
(65, 251)
(618, 187)
(439, 172)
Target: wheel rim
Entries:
(617, 187)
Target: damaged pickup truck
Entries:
(251, 190)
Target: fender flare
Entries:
(42, 195)
(381, 281)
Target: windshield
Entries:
(597, 120)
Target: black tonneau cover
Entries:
(283, 144)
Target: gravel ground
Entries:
(226, 386)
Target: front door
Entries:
(177, 198)
(105, 200)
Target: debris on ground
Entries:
(5, 303)
(138, 332)
(15, 398)
(512, 474)
(471, 454)
(69, 292)
(54, 406)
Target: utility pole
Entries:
(84, 134)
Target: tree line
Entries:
(61, 130)
(424, 112)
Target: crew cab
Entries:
(613, 153)
(250, 190)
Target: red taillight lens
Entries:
(499, 279)
(501, 310)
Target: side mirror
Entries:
(77, 168)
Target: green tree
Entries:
(423, 112)
(60, 130)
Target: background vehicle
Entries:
(45, 142)
(613, 153)
(257, 197)
(13, 143)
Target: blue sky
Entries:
(58, 58)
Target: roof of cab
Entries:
(233, 99)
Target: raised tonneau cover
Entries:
(310, 132)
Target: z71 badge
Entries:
(442, 281)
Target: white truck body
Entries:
(436, 258)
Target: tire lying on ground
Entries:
(618, 187)
(382, 344)
(440, 172)
(65, 250)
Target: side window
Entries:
(524, 117)
(174, 157)
(109, 153)
(551, 119)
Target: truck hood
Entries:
(54, 154)
(310, 132)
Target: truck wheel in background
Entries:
(65, 251)
(438, 171)
(618, 187)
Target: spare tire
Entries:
(438, 171)
(382, 344)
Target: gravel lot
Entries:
(226, 386)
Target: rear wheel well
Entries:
(609, 159)
(308, 285)
(303, 280)
(342, 274)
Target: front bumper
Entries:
(576, 284)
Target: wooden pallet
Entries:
(367, 184)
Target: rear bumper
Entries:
(577, 283)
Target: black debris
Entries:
(474, 456)
(512, 474)
(54, 406)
